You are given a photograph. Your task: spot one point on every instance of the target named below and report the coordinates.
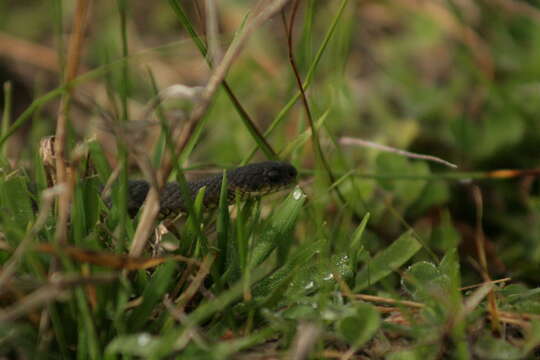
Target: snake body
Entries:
(255, 179)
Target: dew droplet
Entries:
(298, 193)
(328, 276)
(143, 339)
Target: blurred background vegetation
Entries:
(455, 79)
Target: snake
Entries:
(244, 182)
(252, 180)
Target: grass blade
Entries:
(387, 261)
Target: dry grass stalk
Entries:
(192, 289)
(151, 208)
(73, 59)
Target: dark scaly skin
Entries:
(256, 179)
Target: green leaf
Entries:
(359, 328)
(141, 344)
(533, 338)
(278, 227)
(424, 281)
(99, 160)
(449, 266)
(223, 226)
(434, 193)
(294, 265)
(153, 293)
(320, 274)
(356, 243)
(15, 202)
(444, 236)
(488, 347)
(406, 191)
(303, 137)
(405, 355)
(497, 132)
(388, 260)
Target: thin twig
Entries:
(365, 143)
(314, 135)
(382, 300)
(63, 178)
(503, 280)
(25, 51)
(193, 332)
(481, 249)
(522, 8)
(305, 339)
(192, 289)
(53, 290)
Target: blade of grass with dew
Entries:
(295, 263)
(387, 261)
(145, 345)
(278, 228)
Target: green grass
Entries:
(376, 255)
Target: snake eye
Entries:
(292, 172)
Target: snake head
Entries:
(263, 178)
